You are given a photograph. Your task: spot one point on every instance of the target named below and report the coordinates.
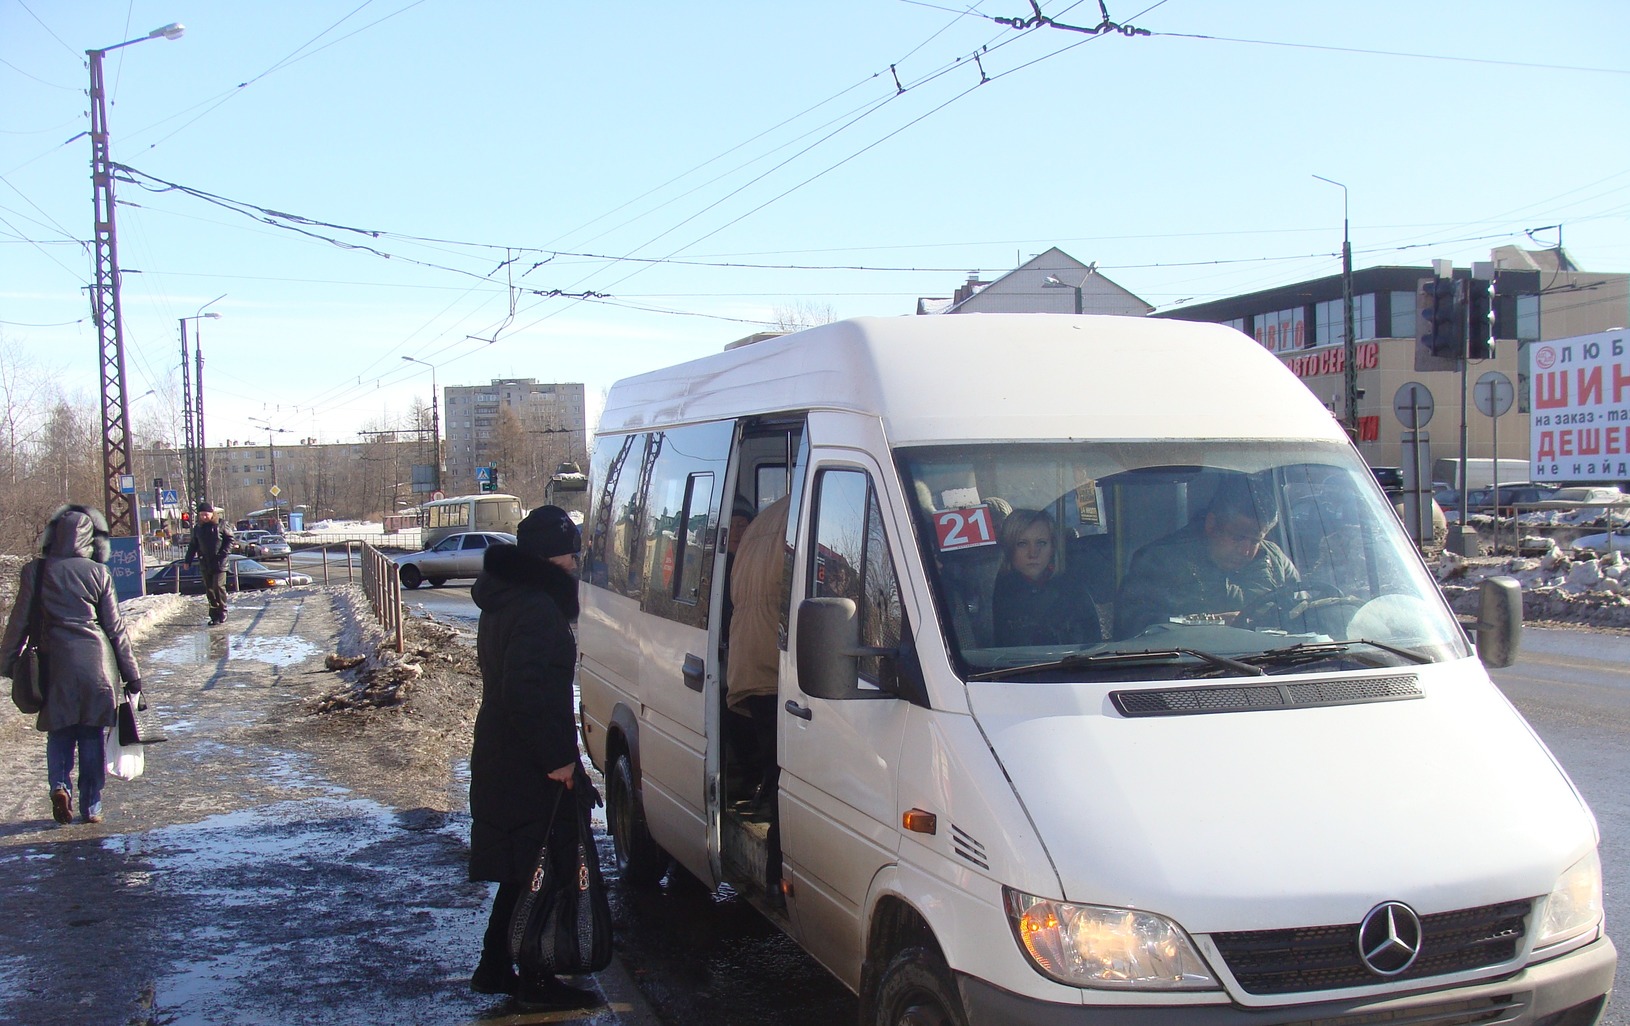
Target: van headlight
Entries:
(1575, 903)
(1095, 946)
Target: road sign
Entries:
(438, 494)
(127, 485)
(1494, 394)
(1413, 405)
(483, 473)
(167, 497)
(275, 490)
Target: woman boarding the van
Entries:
(525, 747)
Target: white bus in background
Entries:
(1314, 808)
(491, 511)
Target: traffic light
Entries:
(186, 519)
(1480, 346)
(1442, 306)
(490, 483)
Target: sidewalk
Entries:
(273, 864)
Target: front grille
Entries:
(1221, 698)
(1315, 958)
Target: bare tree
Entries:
(803, 313)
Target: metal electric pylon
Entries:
(116, 472)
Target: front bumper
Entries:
(1537, 996)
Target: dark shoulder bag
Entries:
(28, 677)
(562, 922)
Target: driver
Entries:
(1215, 564)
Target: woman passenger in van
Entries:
(1032, 603)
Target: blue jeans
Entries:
(93, 770)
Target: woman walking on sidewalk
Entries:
(525, 747)
(84, 653)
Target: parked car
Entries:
(1518, 493)
(241, 540)
(1446, 495)
(269, 546)
(457, 555)
(242, 574)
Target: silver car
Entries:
(457, 555)
(269, 546)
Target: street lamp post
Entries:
(193, 416)
(1051, 282)
(105, 310)
(435, 417)
(1349, 344)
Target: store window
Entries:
(1282, 329)
(1330, 320)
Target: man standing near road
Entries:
(211, 544)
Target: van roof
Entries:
(975, 377)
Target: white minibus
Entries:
(1108, 688)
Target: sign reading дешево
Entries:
(1580, 423)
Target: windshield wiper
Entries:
(1316, 649)
(1140, 658)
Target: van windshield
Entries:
(1121, 560)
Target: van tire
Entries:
(641, 862)
(917, 989)
(411, 578)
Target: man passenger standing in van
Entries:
(1217, 563)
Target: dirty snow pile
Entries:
(1555, 586)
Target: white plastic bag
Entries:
(124, 761)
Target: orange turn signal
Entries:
(920, 822)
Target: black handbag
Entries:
(562, 922)
(138, 723)
(28, 676)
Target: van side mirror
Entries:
(829, 650)
(1499, 621)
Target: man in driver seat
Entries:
(1218, 563)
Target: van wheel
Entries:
(411, 578)
(641, 862)
(917, 990)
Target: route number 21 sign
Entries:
(964, 528)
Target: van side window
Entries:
(852, 560)
(614, 530)
(681, 516)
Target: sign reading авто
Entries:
(1580, 423)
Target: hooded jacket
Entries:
(87, 651)
(525, 728)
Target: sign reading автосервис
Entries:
(1580, 423)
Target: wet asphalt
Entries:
(255, 873)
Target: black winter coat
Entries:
(525, 728)
(211, 544)
(86, 646)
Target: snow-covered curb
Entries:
(1555, 587)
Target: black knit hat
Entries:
(547, 531)
(205, 507)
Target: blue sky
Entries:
(689, 171)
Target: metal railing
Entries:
(384, 588)
(1507, 517)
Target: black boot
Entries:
(493, 976)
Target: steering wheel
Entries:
(1293, 600)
